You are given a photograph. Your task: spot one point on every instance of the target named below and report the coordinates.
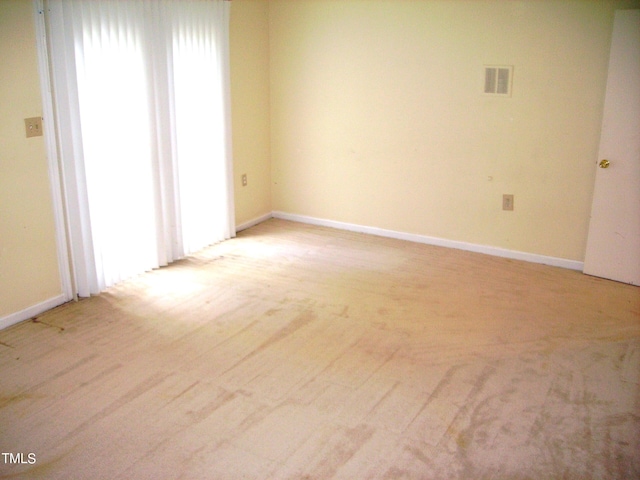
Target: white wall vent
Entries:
(498, 79)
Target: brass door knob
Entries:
(604, 164)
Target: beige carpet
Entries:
(298, 352)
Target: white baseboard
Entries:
(37, 309)
(31, 311)
(440, 242)
(253, 222)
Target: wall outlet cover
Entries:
(507, 201)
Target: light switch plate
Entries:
(33, 126)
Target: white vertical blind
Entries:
(141, 97)
(196, 63)
(116, 138)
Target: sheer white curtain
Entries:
(141, 99)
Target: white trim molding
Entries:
(49, 131)
(253, 222)
(440, 242)
(31, 311)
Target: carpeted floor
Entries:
(297, 352)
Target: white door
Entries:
(613, 245)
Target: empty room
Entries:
(319, 239)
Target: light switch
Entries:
(33, 126)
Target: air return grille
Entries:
(497, 80)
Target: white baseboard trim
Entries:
(31, 311)
(37, 309)
(440, 242)
(253, 222)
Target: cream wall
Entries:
(369, 112)
(378, 116)
(249, 45)
(28, 261)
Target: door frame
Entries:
(50, 133)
